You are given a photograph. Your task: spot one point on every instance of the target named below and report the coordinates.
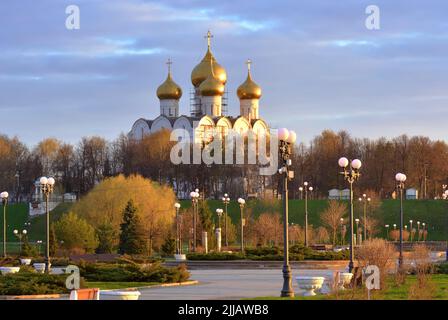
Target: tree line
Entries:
(79, 167)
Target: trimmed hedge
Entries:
(128, 272)
(215, 256)
(28, 283)
(296, 253)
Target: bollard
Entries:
(218, 239)
(205, 241)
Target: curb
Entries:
(175, 284)
(36, 296)
(66, 296)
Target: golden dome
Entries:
(211, 86)
(169, 89)
(249, 89)
(202, 70)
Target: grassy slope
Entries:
(433, 212)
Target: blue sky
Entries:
(317, 63)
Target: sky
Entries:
(317, 63)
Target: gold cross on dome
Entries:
(248, 62)
(169, 63)
(209, 36)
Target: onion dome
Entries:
(249, 89)
(169, 89)
(202, 70)
(211, 86)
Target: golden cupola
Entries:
(211, 86)
(202, 70)
(169, 89)
(249, 89)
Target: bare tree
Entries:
(331, 217)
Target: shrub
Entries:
(423, 288)
(377, 252)
(300, 249)
(27, 283)
(327, 255)
(215, 256)
(441, 268)
(263, 251)
(74, 232)
(133, 272)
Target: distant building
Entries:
(411, 194)
(336, 194)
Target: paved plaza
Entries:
(229, 284)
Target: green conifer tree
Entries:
(132, 235)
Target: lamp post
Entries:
(20, 236)
(410, 222)
(178, 243)
(401, 178)
(351, 174)
(446, 198)
(225, 201)
(242, 202)
(365, 200)
(423, 231)
(418, 230)
(357, 231)
(395, 226)
(219, 212)
(47, 187)
(306, 189)
(342, 231)
(194, 199)
(286, 139)
(387, 231)
(4, 195)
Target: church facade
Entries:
(207, 108)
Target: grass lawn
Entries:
(118, 285)
(392, 292)
(433, 212)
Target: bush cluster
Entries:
(133, 272)
(215, 256)
(296, 253)
(27, 282)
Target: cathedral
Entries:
(208, 103)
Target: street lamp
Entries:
(446, 198)
(47, 187)
(306, 189)
(178, 243)
(351, 174)
(418, 230)
(365, 200)
(395, 226)
(357, 230)
(423, 231)
(242, 202)
(225, 201)
(219, 212)
(387, 231)
(286, 139)
(401, 178)
(4, 195)
(194, 199)
(410, 222)
(20, 236)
